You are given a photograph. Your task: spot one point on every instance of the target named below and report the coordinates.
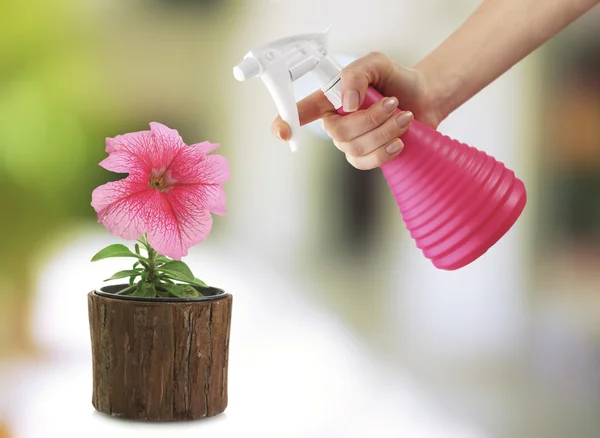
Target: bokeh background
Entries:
(510, 344)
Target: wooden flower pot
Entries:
(159, 359)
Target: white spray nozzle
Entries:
(247, 69)
(283, 61)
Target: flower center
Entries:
(161, 180)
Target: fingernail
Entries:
(394, 146)
(390, 104)
(277, 135)
(404, 119)
(350, 100)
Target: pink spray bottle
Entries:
(455, 200)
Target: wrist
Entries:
(437, 93)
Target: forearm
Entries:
(495, 37)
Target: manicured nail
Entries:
(404, 119)
(394, 146)
(277, 135)
(390, 104)
(350, 100)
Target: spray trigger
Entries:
(282, 62)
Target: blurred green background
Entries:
(73, 73)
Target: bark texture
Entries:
(160, 361)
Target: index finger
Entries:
(313, 107)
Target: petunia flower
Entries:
(169, 193)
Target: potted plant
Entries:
(160, 340)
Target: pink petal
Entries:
(123, 162)
(206, 196)
(143, 151)
(128, 153)
(205, 147)
(215, 198)
(177, 218)
(165, 134)
(191, 166)
(168, 145)
(121, 206)
(176, 222)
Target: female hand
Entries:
(369, 137)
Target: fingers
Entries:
(281, 130)
(348, 127)
(374, 139)
(373, 69)
(313, 107)
(378, 157)
(369, 138)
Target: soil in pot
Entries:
(160, 359)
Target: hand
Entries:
(369, 137)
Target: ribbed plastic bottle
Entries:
(455, 200)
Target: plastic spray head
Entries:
(280, 63)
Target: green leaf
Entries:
(116, 250)
(193, 283)
(160, 259)
(145, 290)
(163, 293)
(199, 282)
(182, 290)
(122, 274)
(137, 249)
(163, 281)
(177, 270)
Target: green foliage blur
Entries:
(71, 74)
(48, 138)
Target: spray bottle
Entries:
(455, 200)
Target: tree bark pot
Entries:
(159, 359)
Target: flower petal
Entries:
(177, 218)
(205, 147)
(143, 150)
(176, 222)
(215, 198)
(129, 153)
(165, 134)
(168, 144)
(124, 162)
(206, 196)
(121, 206)
(191, 166)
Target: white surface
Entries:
(294, 370)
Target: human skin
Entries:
(495, 37)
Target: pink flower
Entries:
(169, 192)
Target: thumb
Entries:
(313, 107)
(356, 77)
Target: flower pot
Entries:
(159, 359)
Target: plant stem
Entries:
(152, 254)
(144, 240)
(126, 290)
